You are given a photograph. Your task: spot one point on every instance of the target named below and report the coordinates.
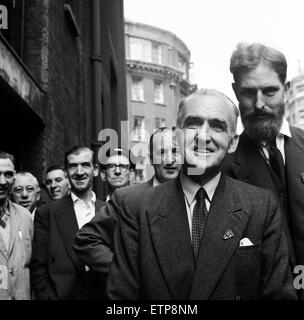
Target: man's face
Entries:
(81, 171)
(25, 192)
(207, 134)
(166, 157)
(7, 177)
(117, 173)
(261, 101)
(57, 184)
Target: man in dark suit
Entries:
(166, 160)
(202, 235)
(164, 156)
(57, 272)
(270, 153)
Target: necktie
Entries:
(276, 161)
(199, 220)
(2, 213)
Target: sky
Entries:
(212, 28)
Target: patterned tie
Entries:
(276, 161)
(199, 220)
(2, 213)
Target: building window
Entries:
(159, 123)
(182, 66)
(158, 92)
(138, 133)
(137, 89)
(140, 49)
(156, 53)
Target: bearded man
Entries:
(270, 153)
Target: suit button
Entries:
(11, 271)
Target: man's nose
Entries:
(24, 193)
(53, 185)
(169, 159)
(2, 179)
(260, 102)
(79, 170)
(117, 171)
(204, 133)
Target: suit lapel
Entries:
(171, 238)
(67, 225)
(248, 159)
(15, 227)
(3, 249)
(215, 252)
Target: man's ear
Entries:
(95, 170)
(103, 176)
(235, 89)
(131, 175)
(233, 143)
(38, 195)
(286, 90)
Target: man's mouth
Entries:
(24, 203)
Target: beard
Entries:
(261, 126)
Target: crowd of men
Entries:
(222, 217)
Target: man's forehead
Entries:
(118, 158)
(84, 155)
(207, 107)
(24, 180)
(164, 139)
(55, 173)
(6, 164)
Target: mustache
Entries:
(253, 116)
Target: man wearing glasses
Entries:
(117, 171)
(26, 191)
(16, 232)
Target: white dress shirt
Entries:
(84, 211)
(190, 189)
(284, 131)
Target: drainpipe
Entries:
(97, 68)
(97, 84)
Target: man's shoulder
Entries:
(55, 205)
(21, 211)
(296, 133)
(142, 192)
(246, 190)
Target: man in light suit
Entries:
(203, 235)
(259, 74)
(56, 271)
(16, 232)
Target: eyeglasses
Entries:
(19, 190)
(122, 167)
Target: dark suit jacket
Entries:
(248, 165)
(153, 256)
(94, 241)
(56, 271)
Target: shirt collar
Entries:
(285, 130)
(190, 187)
(156, 182)
(76, 199)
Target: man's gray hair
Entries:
(209, 92)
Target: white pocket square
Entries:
(245, 242)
